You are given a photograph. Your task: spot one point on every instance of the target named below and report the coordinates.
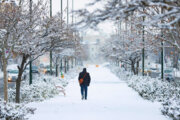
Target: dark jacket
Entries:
(87, 78)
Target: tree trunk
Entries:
(5, 78)
(61, 65)
(65, 70)
(18, 81)
(67, 64)
(1, 65)
(133, 67)
(57, 73)
(72, 63)
(75, 62)
(175, 58)
(18, 86)
(137, 67)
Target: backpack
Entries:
(82, 79)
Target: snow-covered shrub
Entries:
(41, 89)
(13, 111)
(44, 87)
(155, 90)
(172, 108)
(158, 90)
(120, 72)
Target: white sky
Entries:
(106, 28)
(77, 4)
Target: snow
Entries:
(109, 98)
(12, 67)
(1, 74)
(177, 73)
(14, 111)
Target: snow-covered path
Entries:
(109, 98)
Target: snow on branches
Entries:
(41, 89)
(30, 33)
(158, 18)
(121, 9)
(12, 111)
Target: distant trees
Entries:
(158, 19)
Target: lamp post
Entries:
(67, 60)
(61, 67)
(30, 63)
(143, 56)
(51, 50)
(61, 11)
(162, 58)
(162, 50)
(67, 13)
(72, 31)
(72, 12)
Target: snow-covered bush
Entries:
(172, 108)
(41, 89)
(44, 87)
(155, 90)
(148, 88)
(158, 90)
(13, 111)
(120, 72)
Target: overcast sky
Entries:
(79, 4)
(106, 28)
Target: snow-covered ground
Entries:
(109, 98)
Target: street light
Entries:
(51, 50)
(162, 50)
(30, 63)
(143, 50)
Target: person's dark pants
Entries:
(84, 90)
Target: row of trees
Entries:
(146, 25)
(30, 33)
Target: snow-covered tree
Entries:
(157, 20)
(9, 17)
(29, 33)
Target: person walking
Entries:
(84, 81)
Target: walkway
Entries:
(109, 99)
